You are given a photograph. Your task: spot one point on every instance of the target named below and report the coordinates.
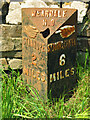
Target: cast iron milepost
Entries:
(49, 49)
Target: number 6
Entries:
(62, 60)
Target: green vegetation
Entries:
(19, 100)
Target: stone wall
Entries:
(11, 47)
(11, 43)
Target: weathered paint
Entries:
(49, 48)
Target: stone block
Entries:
(13, 6)
(11, 30)
(6, 45)
(83, 44)
(3, 64)
(0, 19)
(83, 29)
(0, 31)
(10, 44)
(0, 12)
(88, 14)
(12, 54)
(80, 6)
(8, 1)
(88, 31)
(15, 15)
(15, 63)
(34, 3)
(17, 43)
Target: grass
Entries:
(20, 101)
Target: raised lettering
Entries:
(72, 71)
(44, 22)
(46, 13)
(61, 45)
(59, 13)
(48, 48)
(33, 73)
(43, 47)
(38, 75)
(54, 76)
(28, 42)
(34, 13)
(52, 22)
(34, 45)
(43, 76)
(31, 43)
(55, 13)
(37, 45)
(57, 75)
(38, 13)
(74, 42)
(51, 13)
(62, 60)
(61, 75)
(51, 78)
(64, 13)
(42, 13)
(30, 72)
(66, 73)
